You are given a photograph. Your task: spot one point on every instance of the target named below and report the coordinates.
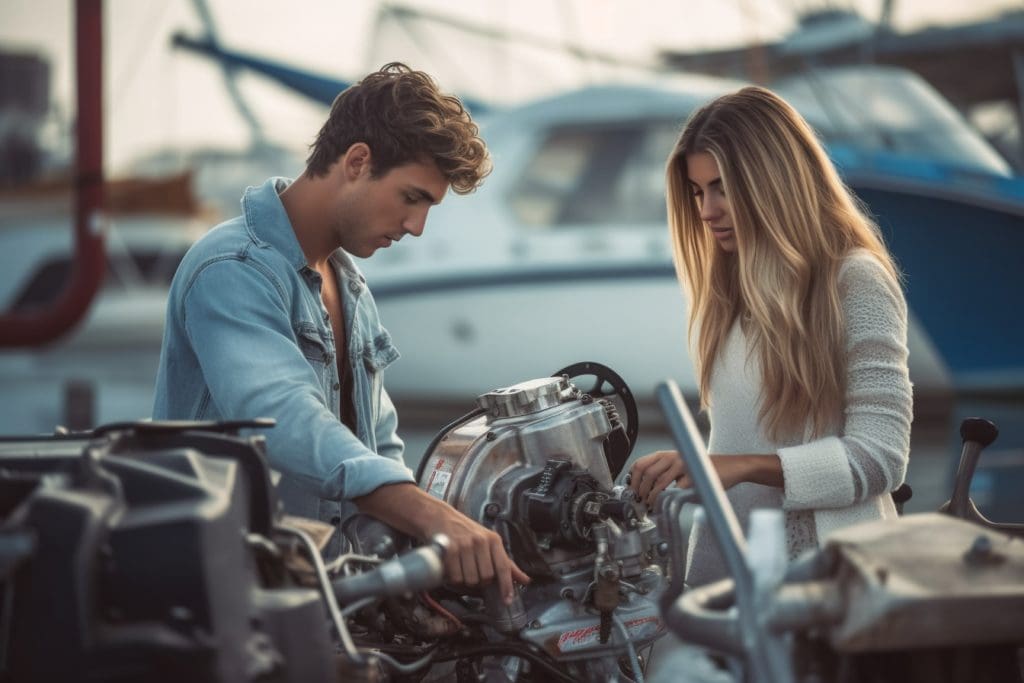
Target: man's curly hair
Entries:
(403, 117)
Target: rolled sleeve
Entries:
(815, 475)
(869, 456)
(239, 327)
(389, 444)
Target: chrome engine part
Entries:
(532, 463)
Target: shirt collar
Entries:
(268, 222)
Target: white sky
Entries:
(157, 97)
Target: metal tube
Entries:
(766, 654)
(725, 528)
(39, 327)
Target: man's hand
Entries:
(474, 556)
(651, 474)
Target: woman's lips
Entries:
(722, 233)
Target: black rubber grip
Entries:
(979, 430)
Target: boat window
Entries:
(147, 268)
(596, 175)
(891, 110)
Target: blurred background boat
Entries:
(563, 255)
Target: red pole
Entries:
(88, 264)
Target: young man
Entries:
(269, 317)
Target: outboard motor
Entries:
(536, 464)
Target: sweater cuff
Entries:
(816, 475)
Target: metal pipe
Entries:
(725, 528)
(766, 654)
(39, 327)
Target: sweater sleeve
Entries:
(869, 456)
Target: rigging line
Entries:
(230, 82)
(403, 19)
(571, 29)
(144, 40)
(523, 38)
(757, 65)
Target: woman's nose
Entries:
(709, 209)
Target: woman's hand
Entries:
(651, 474)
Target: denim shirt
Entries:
(247, 336)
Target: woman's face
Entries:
(706, 184)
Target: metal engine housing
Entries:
(532, 464)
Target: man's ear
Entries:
(356, 160)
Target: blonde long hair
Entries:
(794, 221)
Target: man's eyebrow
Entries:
(423, 194)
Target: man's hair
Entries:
(404, 118)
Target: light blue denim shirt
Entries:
(247, 335)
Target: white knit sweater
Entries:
(842, 478)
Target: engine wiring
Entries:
(440, 609)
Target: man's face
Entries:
(378, 211)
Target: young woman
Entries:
(798, 327)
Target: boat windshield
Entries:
(887, 109)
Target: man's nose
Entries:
(415, 223)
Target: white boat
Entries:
(564, 254)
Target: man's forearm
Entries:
(403, 506)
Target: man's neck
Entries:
(306, 201)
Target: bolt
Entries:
(568, 594)
(491, 510)
(535, 624)
(491, 436)
(663, 548)
(982, 552)
(982, 545)
(586, 399)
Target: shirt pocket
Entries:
(320, 356)
(380, 352)
(312, 344)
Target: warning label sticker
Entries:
(440, 477)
